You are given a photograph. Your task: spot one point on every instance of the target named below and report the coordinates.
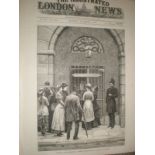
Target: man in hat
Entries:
(47, 90)
(72, 113)
(111, 94)
(48, 93)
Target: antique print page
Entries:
(76, 77)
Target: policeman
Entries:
(111, 94)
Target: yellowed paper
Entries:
(77, 43)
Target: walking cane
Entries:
(84, 120)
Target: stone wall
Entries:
(55, 58)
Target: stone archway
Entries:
(121, 56)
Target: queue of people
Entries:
(57, 109)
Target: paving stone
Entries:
(97, 137)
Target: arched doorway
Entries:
(114, 34)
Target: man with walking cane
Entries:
(72, 113)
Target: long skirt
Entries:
(58, 123)
(88, 111)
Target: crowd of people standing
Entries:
(57, 109)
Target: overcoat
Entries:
(72, 108)
(110, 100)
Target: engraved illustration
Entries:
(80, 87)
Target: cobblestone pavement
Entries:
(97, 137)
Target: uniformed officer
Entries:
(111, 94)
